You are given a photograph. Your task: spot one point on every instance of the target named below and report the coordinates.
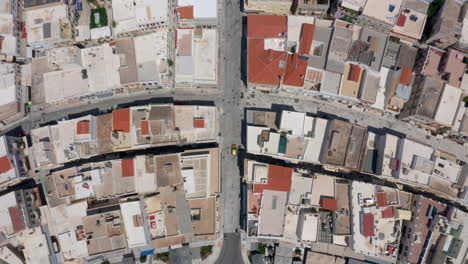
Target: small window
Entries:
(441, 165)
(274, 202)
(391, 8)
(196, 214)
(317, 48)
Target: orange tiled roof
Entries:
(265, 66)
(388, 212)
(307, 37)
(266, 26)
(82, 127)
(185, 12)
(382, 199)
(279, 179)
(127, 168)
(144, 127)
(406, 75)
(5, 164)
(295, 72)
(354, 73)
(401, 21)
(368, 225)
(121, 120)
(198, 123)
(329, 204)
(15, 217)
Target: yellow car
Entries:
(234, 149)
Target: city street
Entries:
(231, 99)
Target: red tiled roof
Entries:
(144, 127)
(127, 168)
(82, 127)
(307, 37)
(382, 199)
(264, 65)
(401, 21)
(329, 204)
(354, 73)
(185, 12)
(5, 164)
(405, 77)
(198, 123)
(388, 212)
(368, 225)
(15, 217)
(266, 26)
(279, 179)
(121, 120)
(295, 72)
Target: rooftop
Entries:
(11, 213)
(322, 187)
(301, 188)
(344, 144)
(319, 49)
(431, 65)
(370, 87)
(331, 82)
(432, 89)
(412, 154)
(448, 105)
(203, 213)
(388, 155)
(129, 17)
(419, 228)
(410, 23)
(7, 171)
(342, 220)
(373, 227)
(351, 81)
(7, 84)
(46, 24)
(376, 42)
(272, 211)
(266, 26)
(122, 130)
(204, 9)
(105, 232)
(265, 66)
(340, 45)
(385, 11)
(135, 231)
(279, 179)
(294, 73)
(453, 67)
(150, 53)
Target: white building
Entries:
(134, 226)
(139, 14)
(415, 164)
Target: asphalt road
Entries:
(230, 111)
(231, 252)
